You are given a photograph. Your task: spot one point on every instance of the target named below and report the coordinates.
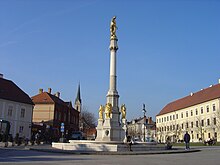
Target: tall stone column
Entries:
(112, 130)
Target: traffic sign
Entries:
(62, 127)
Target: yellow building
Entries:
(51, 110)
(197, 113)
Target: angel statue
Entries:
(113, 27)
(108, 110)
(101, 109)
(123, 111)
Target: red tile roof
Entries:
(204, 95)
(47, 98)
(10, 91)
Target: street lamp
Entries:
(144, 111)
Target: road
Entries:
(208, 156)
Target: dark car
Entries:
(76, 136)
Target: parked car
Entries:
(76, 136)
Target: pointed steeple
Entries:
(78, 97)
(78, 101)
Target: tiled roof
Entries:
(47, 98)
(10, 91)
(204, 95)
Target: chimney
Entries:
(219, 81)
(191, 94)
(1, 75)
(149, 120)
(57, 94)
(49, 90)
(41, 90)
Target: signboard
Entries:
(62, 127)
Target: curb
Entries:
(115, 153)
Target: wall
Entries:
(15, 119)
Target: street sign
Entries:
(62, 127)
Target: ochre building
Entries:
(51, 111)
(197, 113)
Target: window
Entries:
(173, 127)
(207, 108)
(202, 123)
(201, 110)
(176, 116)
(191, 124)
(59, 116)
(208, 122)
(214, 120)
(162, 120)
(191, 112)
(64, 117)
(197, 124)
(173, 117)
(197, 136)
(22, 113)
(182, 126)
(167, 128)
(182, 115)
(10, 108)
(21, 128)
(186, 113)
(187, 125)
(170, 117)
(196, 112)
(213, 107)
(177, 126)
(167, 118)
(209, 135)
(215, 135)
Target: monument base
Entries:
(108, 131)
(89, 146)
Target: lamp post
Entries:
(144, 111)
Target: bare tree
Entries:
(88, 119)
(199, 127)
(217, 118)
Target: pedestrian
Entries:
(187, 140)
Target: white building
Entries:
(142, 127)
(197, 113)
(16, 107)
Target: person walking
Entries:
(187, 140)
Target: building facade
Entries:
(51, 111)
(198, 113)
(16, 107)
(142, 127)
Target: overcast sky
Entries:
(167, 49)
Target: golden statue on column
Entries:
(123, 111)
(113, 28)
(108, 110)
(101, 110)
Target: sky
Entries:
(167, 49)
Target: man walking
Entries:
(187, 140)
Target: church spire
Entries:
(78, 97)
(78, 101)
